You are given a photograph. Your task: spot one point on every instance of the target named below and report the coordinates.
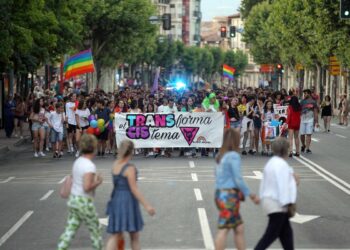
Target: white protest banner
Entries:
(280, 111)
(178, 130)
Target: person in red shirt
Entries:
(293, 121)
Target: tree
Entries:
(247, 5)
(119, 31)
(218, 57)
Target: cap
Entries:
(212, 95)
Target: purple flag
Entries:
(155, 82)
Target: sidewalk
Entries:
(8, 144)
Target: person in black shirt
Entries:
(233, 114)
(102, 113)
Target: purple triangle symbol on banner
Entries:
(189, 133)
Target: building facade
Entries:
(251, 76)
(186, 18)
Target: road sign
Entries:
(334, 66)
(299, 66)
(266, 68)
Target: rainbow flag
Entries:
(78, 64)
(228, 71)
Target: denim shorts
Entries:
(56, 136)
(37, 126)
(236, 124)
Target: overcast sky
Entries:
(212, 8)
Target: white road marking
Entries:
(15, 227)
(341, 136)
(7, 180)
(206, 233)
(258, 175)
(326, 172)
(192, 164)
(61, 181)
(315, 139)
(198, 194)
(47, 195)
(194, 177)
(347, 191)
(301, 218)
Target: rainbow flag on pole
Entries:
(78, 64)
(228, 71)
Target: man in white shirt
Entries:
(56, 121)
(72, 123)
(164, 108)
(172, 106)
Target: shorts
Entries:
(37, 126)
(236, 124)
(71, 128)
(228, 203)
(306, 128)
(21, 118)
(56, 136)
(85, 128)
(103, 136)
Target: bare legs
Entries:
(293, 135)
(238, 236)
(306, 141)
(112, 242)
(327, 123)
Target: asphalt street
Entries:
(182, 191)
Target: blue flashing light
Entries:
(180, 85)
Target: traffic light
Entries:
(280, 68)
(233, 31)
(345, 9)
(166, 21)
(223, 31)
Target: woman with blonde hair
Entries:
(230, 191)
(81, 200)
(123, 208)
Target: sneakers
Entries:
(302, 149)
(36, 155)
(244, 152)
(47, 149)
(251, 152)
(42, 154)
(77, 154)
(56, 155)
(308, 151)
(297, 154)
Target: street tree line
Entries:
(174, 57)
(292, 32)
(44, 32)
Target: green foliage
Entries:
(297, 31)
(247, 5)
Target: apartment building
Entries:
(186, 19)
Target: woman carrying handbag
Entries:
(278, 194)
(81, 199)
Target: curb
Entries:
(5, 150)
